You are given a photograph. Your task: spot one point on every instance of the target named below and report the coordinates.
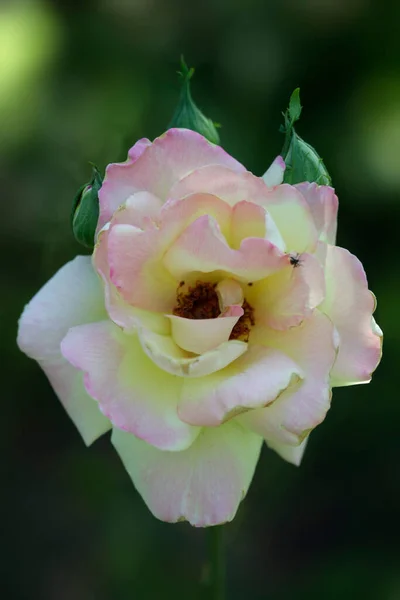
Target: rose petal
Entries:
(349, 304)
(71, 297)
(165, 353)
(201, 335)
(202, 247)
(123, 314)
(162, 163)
(131, 390)
(204, 484)
(292, 216)
(142, 210)
(229, 293)
(274, 174)
(292, 454)
(323, 204)
(117, 186)
(135, 256)
(137, 271)
(230, 185)
(137, 149)
(255, 379)
(304, 405)
(285, 298)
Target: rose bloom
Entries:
(216, 313)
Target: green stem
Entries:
(217, 562)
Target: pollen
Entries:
(199, 302)
(242, 329)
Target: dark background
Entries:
(82, 83)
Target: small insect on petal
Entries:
(295, 260)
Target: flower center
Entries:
(202, 302)
(199, 302)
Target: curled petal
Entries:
(252, 220)
(229, 293)
(274, 174)
(202, 247)
(165, 353)
(131, 390)
(248, 220)
(201, 335)
(292, 454)
(73, 296)
(302, 406)
(203, 484)
(123, 314)
(137, 271)
(254, 380)
(349, 304)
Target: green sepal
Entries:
(85, 210)
(187, 115)
(303, 162)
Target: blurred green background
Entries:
(82, 83)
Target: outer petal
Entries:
(116, 187)
(169, 158)
(303, 406)
(254, 380)
(204, 484)
(292, 454)
(229, 184)
(349, 304)
(274, 174)
(202, 247)
(323, 204)
(136, 395)
(73, 296)
(137, 149)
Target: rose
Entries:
(222, 317)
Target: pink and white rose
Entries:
(216, 313)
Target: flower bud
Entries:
(85, 210)
(303, 162)
(187, 115)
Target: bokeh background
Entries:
(81, 82)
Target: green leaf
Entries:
(187, 114)
(85, 210)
